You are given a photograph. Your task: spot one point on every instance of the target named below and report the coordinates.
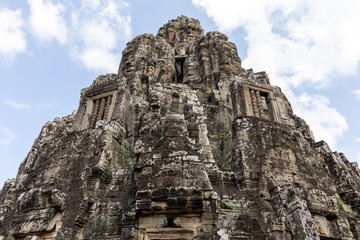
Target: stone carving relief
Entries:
(182, 144)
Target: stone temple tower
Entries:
(182, 143)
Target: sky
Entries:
(51, 49)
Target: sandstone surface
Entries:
(182, 143)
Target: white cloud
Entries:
(357, 93)
(304, 40)
(17, 105)
(6, 136)
(325, 122)
(92, 4)
(357, 139)
(95, 32)
(101, 28)
(12, 40)
(38, 107)
(300, 42)
(47, 21)
(99, 59)
(42, 106)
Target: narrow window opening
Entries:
(266, 105)
(170, 222)
(179, 67)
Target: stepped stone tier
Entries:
(182, 143)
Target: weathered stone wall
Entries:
(182, 143)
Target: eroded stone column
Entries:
(101, 109)
(107, 107)
(94, 114)
(259, 104)
(254, 103)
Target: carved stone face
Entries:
(181, 144)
